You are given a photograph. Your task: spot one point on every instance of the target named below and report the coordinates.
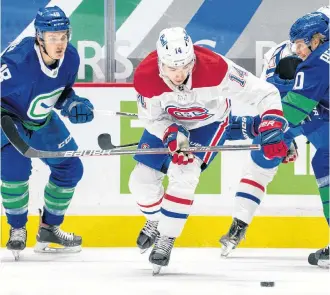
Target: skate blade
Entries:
(226, 249)
(142, 251)
(55, 248)
(324, 264)
(156, 269)
(16, 254)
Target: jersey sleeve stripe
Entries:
(273, 112)
(297, 107)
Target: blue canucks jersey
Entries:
(312, 76)
(29, 88)
(311, 88)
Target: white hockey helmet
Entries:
(325, 10)
(175, 47)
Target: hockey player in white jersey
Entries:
(279, 70)
(184, 94)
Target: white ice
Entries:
(201, 271)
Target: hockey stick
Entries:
(104, 139)
(10, 130)
(112, 113)
(105, 143)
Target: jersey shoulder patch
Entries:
(146, 79)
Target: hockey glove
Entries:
(271, 129)
(292, 154)
(78, 110)
(175, 138)
(243, 127)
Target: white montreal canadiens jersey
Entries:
(206, 96)
(273, 56)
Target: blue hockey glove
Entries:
(243, 127)
(78, 110)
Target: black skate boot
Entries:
(52, 234)
(234, 236)
(160, 254)
(147, 235)
(17, 241)
(320, 258)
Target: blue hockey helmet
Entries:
(51, 19)
(309, 25)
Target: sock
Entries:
(324, 193)
(57, 201)
(15, 199)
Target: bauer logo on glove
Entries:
(271, 129)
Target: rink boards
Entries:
(106, 215)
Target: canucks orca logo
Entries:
(189, 114)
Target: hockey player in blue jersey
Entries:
(37, 76)
(308, 103)
(306, 107)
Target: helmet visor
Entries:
(57, 37)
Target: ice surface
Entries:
(200, 271)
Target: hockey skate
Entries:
(160, 254)
(51, 239)
(320, 258)
(147, 236)
(17, 241)
(234, 236)
(62, 241)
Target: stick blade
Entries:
(104, 141)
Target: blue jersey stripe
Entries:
(173, 214)
(248, 196)
(150, 213)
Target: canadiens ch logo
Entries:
(189, 114)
